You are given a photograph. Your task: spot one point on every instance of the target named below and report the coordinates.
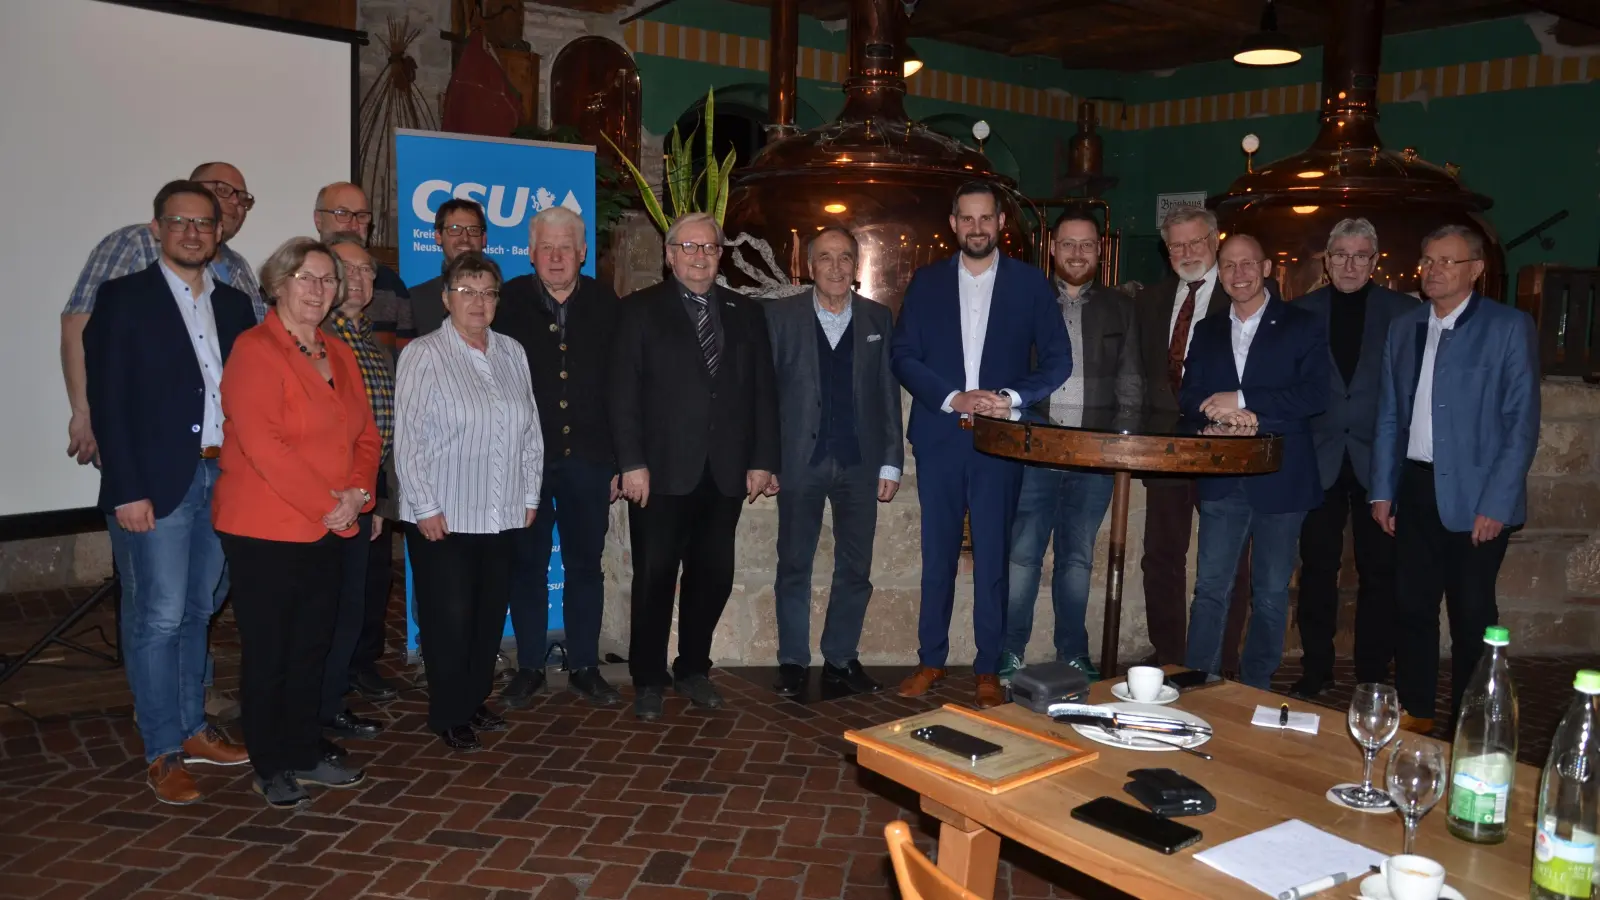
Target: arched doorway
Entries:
(594, 88)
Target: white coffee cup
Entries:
(1413, 877)
(1144, 683)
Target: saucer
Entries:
(1373, 887)
(1167, 694)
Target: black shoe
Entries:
(648, 702)
(485, 720)
(524, 685)
(333, 752)
(349, 725)
(461, 739)
(1309, 686)
(699, 690)
(589, 684)
(791, 680)
(852, 676)
(372, 686)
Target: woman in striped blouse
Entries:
(469, 457)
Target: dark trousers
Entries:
(694, 531)
(1168, 522)
(852, 491)
(1321, 553)
(575, 499)
(348, 619)
(285, 599)
(1432, 562)
(375, 613)
(462, 585)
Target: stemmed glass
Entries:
(1416, 782)
(1374, 719)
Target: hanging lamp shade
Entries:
(1267, 46)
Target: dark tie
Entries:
(706, 332)
(1176, 350)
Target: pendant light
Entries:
(1268, 46)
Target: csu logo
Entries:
(426, 198)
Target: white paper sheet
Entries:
(1267, 717)
(1288, 855)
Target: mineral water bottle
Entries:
(1569, 799)
(1484, 757)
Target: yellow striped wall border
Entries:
(1458, 80)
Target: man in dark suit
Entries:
(1167, 314)
(1264, 366)
(154, 349)
(694, 421)
(839, 419)
(968, 329)
(1458, 424)
(1072, 502)
(1356, 313)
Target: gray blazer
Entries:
(1350, 421)
(792, 325)
(1109, 358)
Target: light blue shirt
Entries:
(833, 327)
(201, 322)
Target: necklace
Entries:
(320, 353)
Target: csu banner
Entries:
(512, 180)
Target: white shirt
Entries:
(1243, 334)
(466, 433)
(201, 322)
(834, 326)
(1420, 445)
(976, 293)
(1202, 302)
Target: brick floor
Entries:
(759, 800)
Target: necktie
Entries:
(706, 332)
(1177, 349)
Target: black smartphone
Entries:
(1138, 825)
(1190, 679)
(960, 743)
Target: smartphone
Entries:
(1138, 825)
(960, 743)
(1192, 679)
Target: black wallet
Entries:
(1169, 793)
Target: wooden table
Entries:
(1259, 776)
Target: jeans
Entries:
(575, 500)
(170, 579)
(348, 620)
(853, 493)
(1071, 504)
(1225, 525)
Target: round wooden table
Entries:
(1125, 442)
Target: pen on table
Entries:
(1283, 716)
(1323, 883)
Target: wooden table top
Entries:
(1174, 447)
(1260, 777)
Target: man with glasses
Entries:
(458, 227)
(153, 383)
(343, 207)
(1356, 313)
(694, 423)
(1458, 424)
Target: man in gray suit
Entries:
(842, 443)
(1357, 313)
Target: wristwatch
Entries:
(365, 497)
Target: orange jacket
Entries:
(288, 439)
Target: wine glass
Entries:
(1416, 782)
(1374, 719)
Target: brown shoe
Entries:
(990, 694)
(1415, 725)
(918, 682)
(210, 746)
(171, 783)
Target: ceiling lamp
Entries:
(910, 60)
(1268, 46)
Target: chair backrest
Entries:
(918, 877)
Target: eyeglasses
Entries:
(362, 269)
(468, 293)
(180, 224)
(459, 230)
(1341, 258)
(690, 248)
(1188, 247)
(1428, 262)
(1078, 248)
(224, 190)
(343, 216)
(312, 282)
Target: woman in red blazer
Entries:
(299, 464)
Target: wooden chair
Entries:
(918, 877)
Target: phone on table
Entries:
(1193, 679)
(1138, 825)
(960, 743)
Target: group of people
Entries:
(268, 440)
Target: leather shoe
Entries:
(172, 784)
(920, 681)
(850, 675)
(333, 752)
(791, 680)
(1414, 724)
(648, 702)
(990, 694)
(349, 725)
(524, 686)
(1307, 687)
(700, 691)
(589, 684)
(372, 686)
(485, 720)
(461, 739)
(209, 746)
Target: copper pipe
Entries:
(876, 87)
(785, 28)
(1350, 65)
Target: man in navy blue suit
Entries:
(1264, 366)
(1458, 423)
(968, 328)
(154, 349)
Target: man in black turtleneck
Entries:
(1358, 313)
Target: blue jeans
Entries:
(1225, 525)
(1071, 504)
(171, 580)
(574, 502)
(853, 494)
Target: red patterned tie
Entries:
(1178, 348)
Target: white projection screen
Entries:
(104, 103)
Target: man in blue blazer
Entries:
(1263, 367)
(968, 329)
(1458, 423)
(154, 348)
(1356, 313)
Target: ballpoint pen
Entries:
(1283, 716)
(1323, 883)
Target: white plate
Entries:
(1166, 695)
(1373, 887)
(1128, 741)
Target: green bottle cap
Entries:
(1588, 681)
(1497, 635)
